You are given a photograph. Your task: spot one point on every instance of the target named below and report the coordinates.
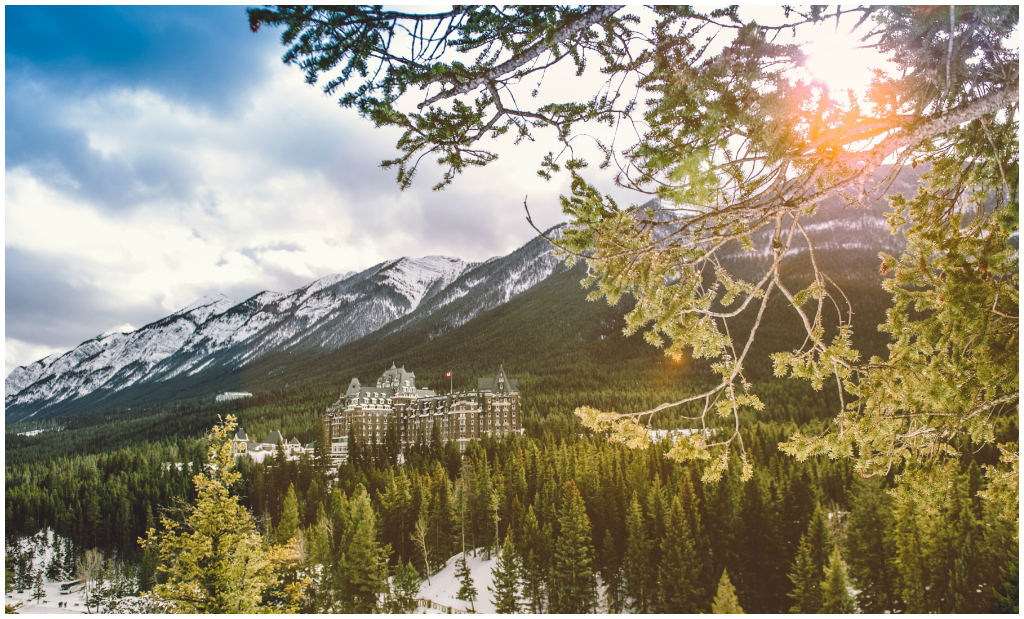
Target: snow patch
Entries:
(413, 278)
(265, 298)
(227, 396)
(330, 280)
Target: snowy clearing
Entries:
(445, 586)
(48, 604)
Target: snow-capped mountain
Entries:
(215, 332)
(112, 358)
(484, 286)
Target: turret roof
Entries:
(500, 383)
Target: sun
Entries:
(840, 60)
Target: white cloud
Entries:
(155, 250)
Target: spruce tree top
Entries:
(726, 602)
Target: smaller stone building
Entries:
(244, 446)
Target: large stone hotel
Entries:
(367, 412)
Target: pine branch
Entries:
(591, 17)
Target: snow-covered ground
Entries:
(444, 586)
(48, 604)
(43, 547)
(443, 589)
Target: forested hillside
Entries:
(101, 479)
(639, 521)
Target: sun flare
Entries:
(840, 60)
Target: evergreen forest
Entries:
(634, 530)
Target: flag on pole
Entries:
(448, 374)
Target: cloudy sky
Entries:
(155, 155)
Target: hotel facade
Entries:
(367, 412)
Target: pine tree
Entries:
(53, 570)
(910, 565)
(534, 566)
(443, 516)
(365, 561)
(482, 495)
(147, 570)
(461, 500)
(436, 444)
(835, 588)
(289, 526)
(679, 572)
(494, 507)
(9, 570)
(871, 549)
(809, 568)
(467, 592)
(355, 449)
(999, 554)
(506, 575)
(392, 444)
(407, 585)
(341, 518)
(763, 584)
(1007, 596)
(966, 591)
(726, 602)
(639, 572)
(574, 584)
(322, 450)
(657, 508)
(611, 574)
(318, 597)
(215, 561)
(38, 592)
